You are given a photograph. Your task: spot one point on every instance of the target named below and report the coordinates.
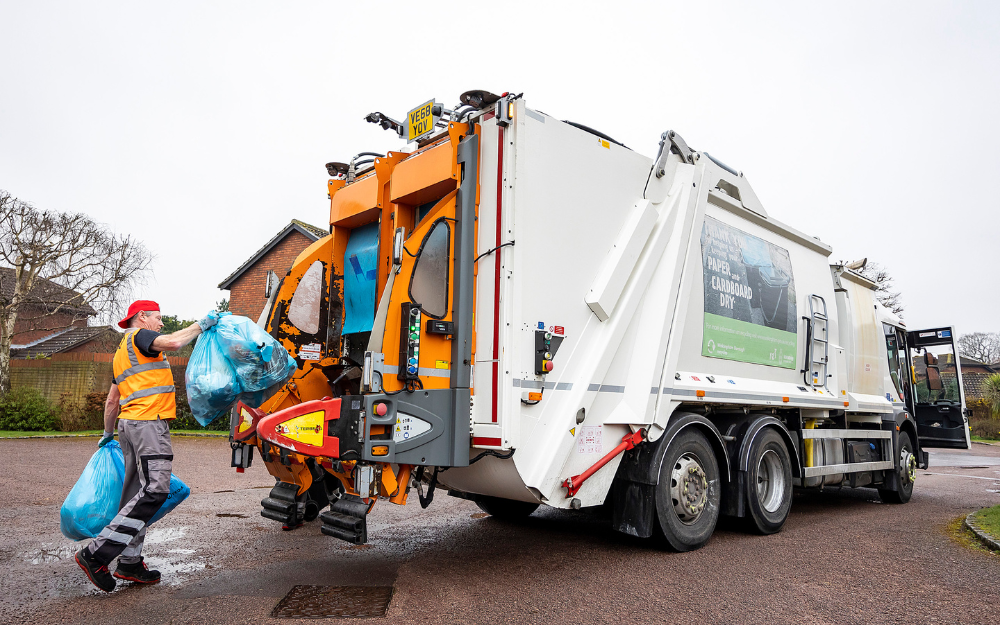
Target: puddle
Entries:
(185, 552)
(229, 515)
(49, 553)
(174, 571)
(155, 536)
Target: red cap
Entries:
(135, 308)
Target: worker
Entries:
(142, 399)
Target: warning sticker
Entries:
(590, 440)
(310, 351)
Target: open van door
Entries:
(938, 397)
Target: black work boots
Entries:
(137, 573)
(97, 572)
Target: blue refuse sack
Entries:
(211, 382)
(234, 359)
(93, 501)
(259, 360)
(179, 491)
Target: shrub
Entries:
(27, 410)
(991, 395)
(983, 424)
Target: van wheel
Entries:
(505, 509)
(906, 473)
(687, 492)
(769, 483)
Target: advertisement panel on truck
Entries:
(749, 298)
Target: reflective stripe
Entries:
(118, 537)
(146, 392)
(131, 349)
(125, 521)
(134, 369)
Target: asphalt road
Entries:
(842, 557)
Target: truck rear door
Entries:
(938, 397)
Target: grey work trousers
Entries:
(148, 458)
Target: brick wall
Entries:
(24, 327)
(246, 293)
(66, 379)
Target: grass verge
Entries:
(980, 439)
(14, 434)
(988, 520)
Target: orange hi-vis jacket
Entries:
(146, 384)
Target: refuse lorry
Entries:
(523, 311)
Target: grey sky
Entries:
(203, 127)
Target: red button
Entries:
(548, 365)
(381, 409)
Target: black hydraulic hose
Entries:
(490, 251)
(494, 453)
(595, 132)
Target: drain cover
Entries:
(334, 601)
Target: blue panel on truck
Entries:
(360, 262)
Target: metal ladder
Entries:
(817, 343)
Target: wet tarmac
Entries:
(843, 557)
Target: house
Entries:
(246, 285)
(974, 373)
(974, 376)
(39, 333)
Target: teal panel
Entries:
(360, 271)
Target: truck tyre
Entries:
(906, 472)
(505, 509)
(769, 483)
(687, 492)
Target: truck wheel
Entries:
(505, 509)
(906, 473)
(769, 483)
(687, 492)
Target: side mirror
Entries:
(397, 247)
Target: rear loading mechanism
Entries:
(714, 358)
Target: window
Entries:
(303, 311)
(895, 364)
(429, 285)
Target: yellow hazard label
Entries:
(441, 364)
(245, 421)
(572, 431)
(605, 144)
(420, 120)
(307, 428)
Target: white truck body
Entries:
(620, 260)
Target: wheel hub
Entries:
(770, 481)
(907, 466)
(688, 488)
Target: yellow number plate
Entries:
(420, 121)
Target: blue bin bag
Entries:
(360, 264)
(259, 360)
(179, 491)
(212, 385)
(254, 399)
(94, 499)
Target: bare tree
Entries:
(981, 346)
(884, 292)
(62, 263)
